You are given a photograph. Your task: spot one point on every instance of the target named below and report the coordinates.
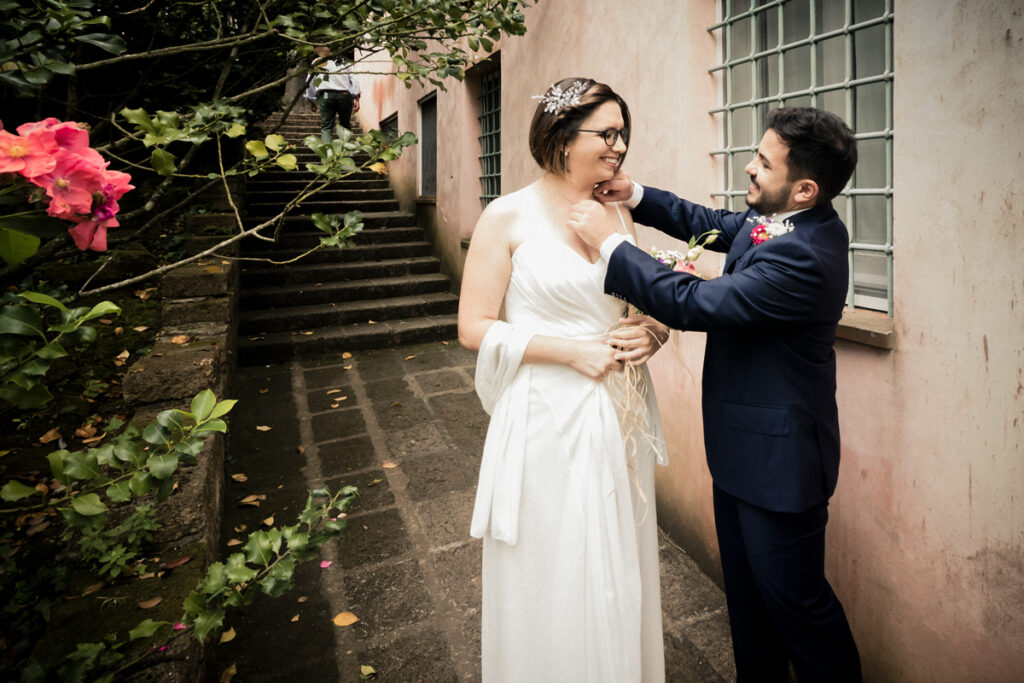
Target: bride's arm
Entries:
(638, 336)
(484, 282)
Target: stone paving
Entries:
(408, 433)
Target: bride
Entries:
(565, 501)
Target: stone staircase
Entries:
(385, 290)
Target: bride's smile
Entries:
(596, 152)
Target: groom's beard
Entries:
(769, 203)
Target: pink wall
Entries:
(926, 532)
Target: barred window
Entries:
(831, 54)
(490, 136)
(428, 146)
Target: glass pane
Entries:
(870, 107)
(796, 19)
(831, 15)
(869, 51)
(870, 211)
(768, 29)
(870, 171)
(866, 9)
(835, 102)
(831, 61)
(742, 128)
(740, 180)
(740, 35)
(870, 280)
(797, 67)
(741, 82)
(767, 70)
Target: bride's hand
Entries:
(637, 338)
(594, 359)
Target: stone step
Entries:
(357, 252)
(280, 346)
(305, 318)
(313, 205)
(305, 176)
(326, 273)
(281, 296)
(329, 194)
(308, 239)
(258, 185)
(371, 221)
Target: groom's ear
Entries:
(805, 192)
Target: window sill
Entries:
(870, 328)
(426, 199)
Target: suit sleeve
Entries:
(681, 219)
(781, 286)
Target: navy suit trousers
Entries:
(781, 606)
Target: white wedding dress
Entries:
(565, 508)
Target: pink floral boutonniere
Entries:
(765, 229)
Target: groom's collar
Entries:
(785, 215)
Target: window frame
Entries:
(490, 134)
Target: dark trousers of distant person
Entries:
(781, 607)
(331, 104)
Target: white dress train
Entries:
(565, 509)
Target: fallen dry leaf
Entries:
(120, 358)
(303, 598)
(176, 563)
(371, 322)
(366, 671)
(333, 391)
(409, 357)
(253, 500)
(95, 439)
(105, 321)
(345, 619)
(228, 674)
(39, 528)
(390, 465)
(119, 330)
(262, 428)
(306, 332)
(375, 482)
(346, 367)
(179, 339)
(300, 449)
(240, 478)
(152, 602)
(445, 343)
(145, 293)
(233, 542)
(240, 528)
(346, 355)
(295, 618)
(269, 521)
(86, 430)
(263, 391)
(141, 328)
(49, 436)
(227, 636)
(89, 590)
(396, 404)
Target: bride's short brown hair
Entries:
(552, 131)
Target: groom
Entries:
(771, 427)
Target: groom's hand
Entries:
(618, 188)
(589, 220)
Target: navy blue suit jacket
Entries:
(771, 429)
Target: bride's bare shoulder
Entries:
(504, 211)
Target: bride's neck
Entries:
(571, 190)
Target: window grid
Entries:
(747, 26)
(490, 136)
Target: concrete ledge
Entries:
(867, 327)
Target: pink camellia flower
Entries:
(30, 155)
(26, 128)
(178, 626)
(92, 234)
(70, 186)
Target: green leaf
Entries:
(141, 483)
(235, 130)
(155, 434)
(52, 351)
(288, 162)
(113, 44)
(40, 226)
(211, 426)
(81, 465)
(16, 246)
(206, 622)
(23, 320)
(140, 118)
(101, 310)
(238, 571)
(258, 549)
(119, 492)
(275, 142)
(165, 490)
(202, 404)
(163, 466)
(223, 408)
(257, 149)
(162, 162)
(216, 578)
(26, 399)
(15, 490)
(146, 629)
(89, 505)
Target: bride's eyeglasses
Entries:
(610, 135)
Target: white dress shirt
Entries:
(338, 76)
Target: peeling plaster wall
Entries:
(926, 530)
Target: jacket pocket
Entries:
(757, 419)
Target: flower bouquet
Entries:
(50, 175)
(682, 261)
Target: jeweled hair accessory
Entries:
(556, 99)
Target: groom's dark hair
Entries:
(821, 147)
(551, 132)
